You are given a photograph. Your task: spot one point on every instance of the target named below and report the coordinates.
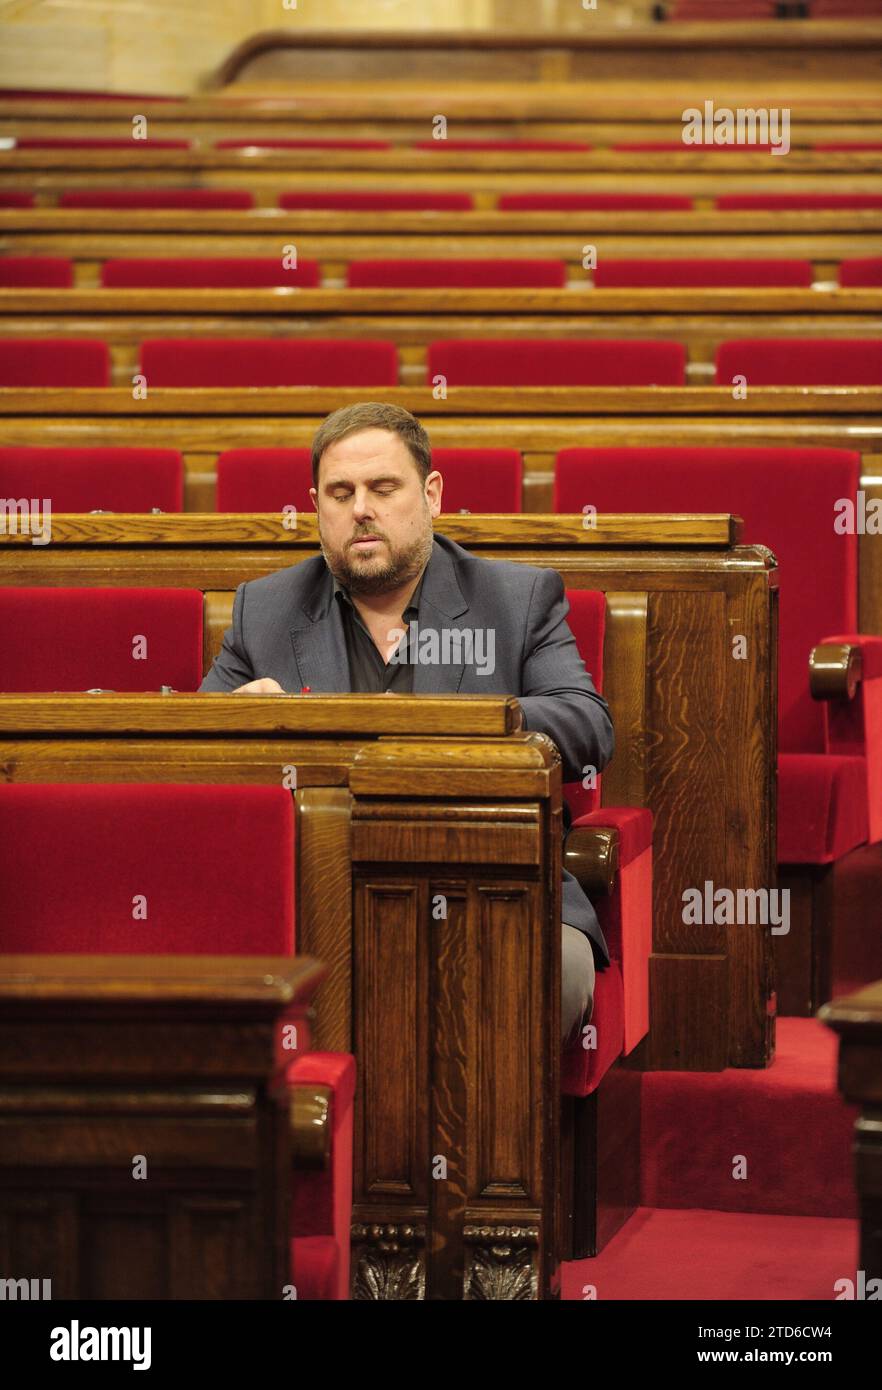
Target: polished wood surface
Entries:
(104, 1059)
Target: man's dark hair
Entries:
(373, 415)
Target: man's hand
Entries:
(265, 686)
(520, 721)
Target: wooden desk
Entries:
(106, 1057)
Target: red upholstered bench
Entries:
(108, 639)
(556, 362)
(76, 362)
(219, 199)
(268, 362)
(216, 272)
(214, 869)
(378, 200)
(629, 274)
(801, 362)
(830, 760)
(98, 479)
(456, 273)
(43, 272)
(269, 480)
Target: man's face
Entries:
(374, 514)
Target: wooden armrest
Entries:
(310, 1118)
(591, 854)
(835, 670)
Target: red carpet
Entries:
(789, 1123)
(718, 1255)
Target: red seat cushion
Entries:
(594, 202)
(722, 273)
(118, 852)
(555, 362)
(794, 202)
(480, 480)
(261, 142)
(441, 274)
(818, 567)
(114, 639)
(218, 272)
(268, 362)
(865, 271)
(582, 1069)
(822, 807)
(502, 145)
(14, 199)
(264, 480)
(379, 201)
(44, 272)
(74, 362)
(102, 479)
(801, 362)
(82, 142)
(229, 199)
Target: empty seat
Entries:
(10, 198)
(59, 362)
(222, 199)
(94, 479)
(457, 274)
(269, 480)
(594, 202)
(379, 200)
(865, 271)
(796, 202)
(115, 639)
(43, 272)
(82, 142)
(261, 142)
(706, 272)
(515, 146)
(215, 272)
(556, 362)
(261, 362)
(800, 362)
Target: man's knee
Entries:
(576, 981)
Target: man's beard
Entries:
(403, 564)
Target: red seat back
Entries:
(223, 199)
(261, 142)
(442, 274)
(264, 480)
(10, 198)
(146, 868)
(43, 272)
(86, 480)
(557, 362)
(863, 272)
(502, 145)
(706, 271)
(216, 272)
(480, 480)
(82, 142)
(74, 362)
(389, 200)
(587, 621)
(112, 639)
(787, 498)
(594, 202)
(258, 362)
(801, 362)
(794, 202)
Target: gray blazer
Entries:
(288, 626)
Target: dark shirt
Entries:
(369, 674)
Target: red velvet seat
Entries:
(165, 844)
(219, 199)
(38, 272)
(594, 202)
(620, 1018)
(862, 272)
(378, 200)
(269, 480)
(82, 142)
(110, 639)
(13, 199)
(94, 479)
(801, 362)
(502, 145)
(795, 202)
(74, 362)
(556, 362)
(488, 273)
(830, 763)
(260, 142)
(611, 274)
(243, 362)
(215, 272)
